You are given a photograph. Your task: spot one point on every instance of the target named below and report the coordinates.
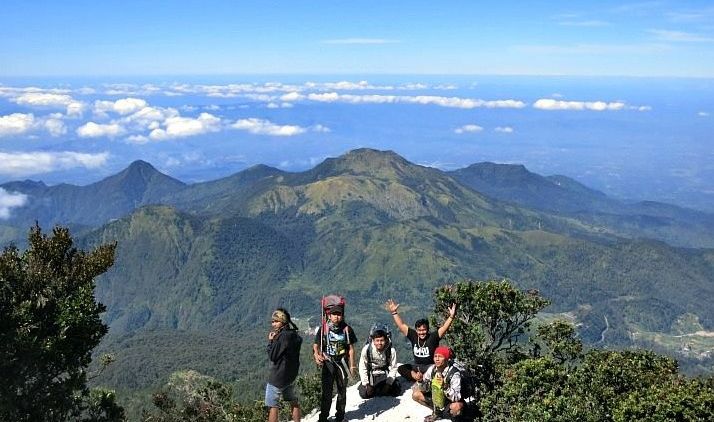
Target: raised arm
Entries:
(393, 308)
(445, 326)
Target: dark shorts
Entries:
(406, 370)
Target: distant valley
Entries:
(209, 260)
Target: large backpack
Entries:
(468, 379)
(330, 301)
(326, 304)
(388, 347)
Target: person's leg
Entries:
(366, 391)
(326, 397)
(455, 408)
(341, 384)
(406, 371)
(272, 401)
(290, 396)
(394, 390)
(421, 398)
(295, 411)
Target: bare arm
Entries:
(317, 354)
(445, 327)
(393, 308)
(351, 355)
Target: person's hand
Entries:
(418, 376)
(391, 306)
(271, 335)
(452, 310)
(318, 358)
(353, 371)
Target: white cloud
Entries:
(468, 129)
(503, 129)
(150, 117)
(137, 139)
(28, 163)
(179, 127)
(454, 102)
(124, 106)
(75, 108)
(266, 127)
(551, 104)
(360, 41)
(50, 99)
(679, 36)
(16, 124)
(55, 126)
(43, 99)
(9, 200)
(584, 23)
(703, 114)
(292, 96)
(95, 130)
(320, 129)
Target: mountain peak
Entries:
(364, 162)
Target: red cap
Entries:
(443, 351)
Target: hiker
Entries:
(284, 354)
(423, 341)
(333, 350)
(440, 388)
(378, 365)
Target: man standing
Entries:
(423, 341)
(334, 351)
(378, 365)
(284, 354)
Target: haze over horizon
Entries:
(620, 95)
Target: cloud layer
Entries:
(9, 200)
(28, 163)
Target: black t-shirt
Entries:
(423, 350)
(337, 342)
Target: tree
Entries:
(491, 318)
(559, 340)
(49, 324)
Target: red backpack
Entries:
(330, 301)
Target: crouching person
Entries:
(378, 365)
(440, 388)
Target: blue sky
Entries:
(128, 37)
(619, 96)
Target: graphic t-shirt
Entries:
(423, 350)
(337, 341)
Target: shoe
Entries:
(429, 418)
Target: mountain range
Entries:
(210, 260)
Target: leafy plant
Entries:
(49, 324)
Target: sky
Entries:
(619, 96)
(136, 37)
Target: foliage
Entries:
(559, 339)
(491, 318)
(675, 400)
(49, 324)
(606, 386)
(191, 396)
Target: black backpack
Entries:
(468, 379)
(387, 348)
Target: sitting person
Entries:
(440, 388)
(423, 341)
(378, 365)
